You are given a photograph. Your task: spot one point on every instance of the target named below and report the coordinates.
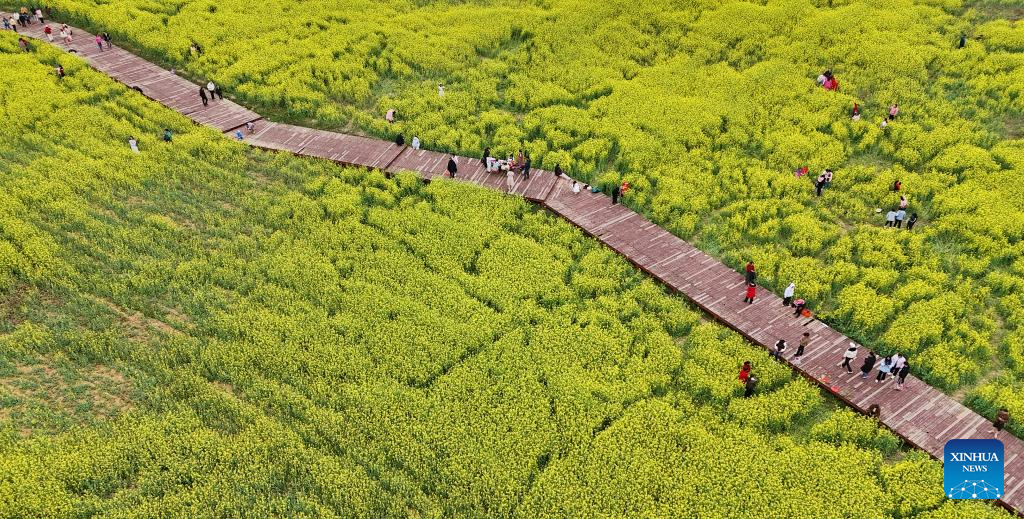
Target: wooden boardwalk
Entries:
(922, 415)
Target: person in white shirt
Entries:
(133, 144)
(848, 356)
(440, 90)
(415, 143)
(900, 216)
(212, 88)
(890, 218)
(575, 187)
(787, 296)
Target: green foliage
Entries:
(846, 426)
(312, 340)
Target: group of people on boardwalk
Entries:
(895, 365)
(210, 92)
(519, 164)
(24, 17)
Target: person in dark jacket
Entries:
(911, 221)
(901, 375)
(453, 168)
(749, 386)
(1002, 418)
(615, 194)
(526, 168)
(202, 96)
(869, 364)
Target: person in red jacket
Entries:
(745, 372)
(751, 292)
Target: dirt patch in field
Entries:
(52, 394)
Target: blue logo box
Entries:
(973, 469)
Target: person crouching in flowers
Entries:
(745, 372)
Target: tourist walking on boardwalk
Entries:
(911, 221)
(848, 356)
(898, 361)
(133, 144)
(202, 96)
(250, 127)
(99, 42)
(884, 368)
(751, 272)
(415, 142)
(615, 194)
(39, 15)
(48, 31)
(868, 365)
(751, 293)
(787, 295)
(453, 168)
(107, 40)
(780, 347)
(400, 140)
(510, 179)
(575, 187)
(212, 89)
(749, 386)
(1002, 417)
(7, 22)
(804, 341)
(526, 168)
(901, 375)
(238, 135)
(65, 34)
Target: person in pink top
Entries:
(99, 42)
(894, 110)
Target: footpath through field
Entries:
(922, 415)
